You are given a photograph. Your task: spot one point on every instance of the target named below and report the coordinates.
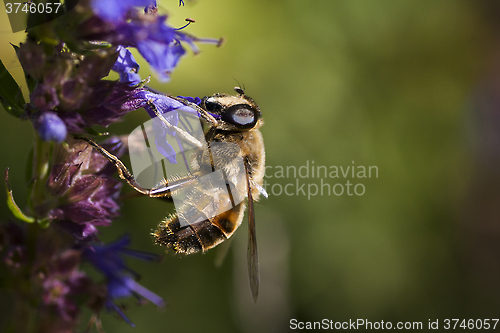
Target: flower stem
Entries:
(41, 169)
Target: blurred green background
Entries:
(412, 87)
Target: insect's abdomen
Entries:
(199, 236)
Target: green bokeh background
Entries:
(407, 86)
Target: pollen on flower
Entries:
(189, 21)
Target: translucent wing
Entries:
(252, 257)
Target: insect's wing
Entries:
(252, 257)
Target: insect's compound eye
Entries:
(241, 115)
(212, 106)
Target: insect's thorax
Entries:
(248, 145)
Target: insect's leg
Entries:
(167, 187)
(180, 132)
(122, 169)
(162, 190)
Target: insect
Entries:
(235, 146)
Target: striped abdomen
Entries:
(199, 236)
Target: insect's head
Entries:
(234, 112)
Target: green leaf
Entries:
(14, 208)
(11, 95)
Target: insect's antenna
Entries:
(240, 88)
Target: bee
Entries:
(234, 145)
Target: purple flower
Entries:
(109, 260)
(45, 274)
(73, 90)
(85, 190)
(44, 97)
(56, 273)
(62, 282)
(194, 100)
(160, 44)
(127, 67)
(106, 103)
(126, 286)
(157, 42)
(49, 126)
(162, 56)
(116, 11)
(74, 191)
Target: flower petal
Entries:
(127, 67)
